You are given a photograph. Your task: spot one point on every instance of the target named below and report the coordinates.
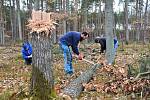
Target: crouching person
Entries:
(27, 53)
(102, 42)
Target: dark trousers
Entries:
(28, 61)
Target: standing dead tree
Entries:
(42, 82)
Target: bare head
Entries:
(84, 35)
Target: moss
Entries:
(5, 96)
(41, 88)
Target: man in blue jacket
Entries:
(71, 39)
(27, 53)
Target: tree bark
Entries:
(11, 19)
(36, 5)
(145, 21)
(1, 23)
(76, 86)
(14, 25)
(64, 21)
(42, 83)
(19, 19)
(110, 54)
(126, 21)
(99, 20)
(137, 20)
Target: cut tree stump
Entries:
(76, 86)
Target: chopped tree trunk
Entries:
(76, 86)
(42, 73)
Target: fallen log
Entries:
(76, 86)
(142, 74)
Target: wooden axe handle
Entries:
(88, 61)
(91, 62)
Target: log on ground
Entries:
(76, 86)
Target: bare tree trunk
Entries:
(15, 36)
(109, 31)
(42, 8)
(85, 16)
(145, 21)
(76, 19)
(64, 21)
(29, 6)
(139, 6)
(19, 19)
(11, 18)
(42, 83)
(141, 20)
(1, 23)
(36, 5)
(126, 21)
(99, 19)
(137, 20)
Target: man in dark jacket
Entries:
(102, 42)
(27, 53)
(71, 39)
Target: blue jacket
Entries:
(26, 50)
(71, 39)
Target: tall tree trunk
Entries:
(15, 36)
(1, 23)
(85, 16)
(11, 19)
(36, 5)
(64, 21)
(139, 6)
(99, 19)
(126, 21)
(42, 83)
(137, 20)
(42, 8)
(76, 19)
(145, 21)
(109, 31)
(29, 6)
(19, 19)
(140, 18)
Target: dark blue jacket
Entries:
(102, 41)
(71, 39)
(26, 50)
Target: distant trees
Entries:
(80, 15)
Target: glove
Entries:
(30, 56)
(80, 56)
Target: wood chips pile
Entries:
(41, 22)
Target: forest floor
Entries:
(109, 82)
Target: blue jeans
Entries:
(67, 58)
